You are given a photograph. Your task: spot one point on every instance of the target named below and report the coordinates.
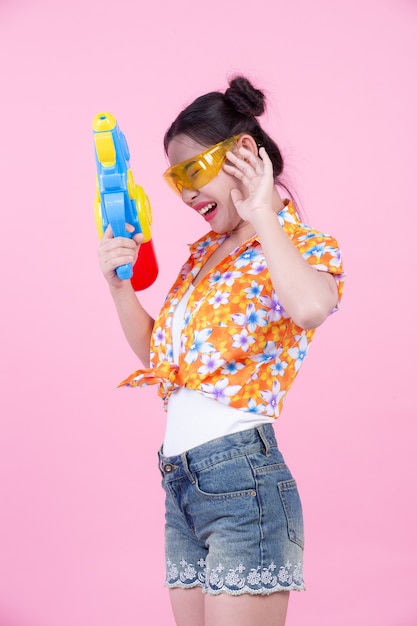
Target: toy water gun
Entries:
(119, 201)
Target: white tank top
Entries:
(193, 418)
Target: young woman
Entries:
(224, 350)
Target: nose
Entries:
(188, 195)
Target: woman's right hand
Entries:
(116, 251)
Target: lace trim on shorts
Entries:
(237, 580)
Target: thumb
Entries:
(237, 197)
(108, 233)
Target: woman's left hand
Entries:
(256, 174)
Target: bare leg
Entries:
(187, 606)
(246, 610)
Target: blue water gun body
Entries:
(119, 200)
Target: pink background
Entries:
(81, 517)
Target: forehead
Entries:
(182, 148)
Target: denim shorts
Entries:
(234, 520)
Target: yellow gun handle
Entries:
(144, 210)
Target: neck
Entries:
(242, 231)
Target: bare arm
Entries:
(136, 323)
(308, 295)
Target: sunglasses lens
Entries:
(173, 181)
(201, 169)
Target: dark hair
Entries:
(217, 116)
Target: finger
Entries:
(117, 245)
(261, 162)
(114, 257)
(249, 157)
(246, 162)
(138, 238)
(115, 261)
(234, 171)
(108, 233)
(244, 172)
(265, 159)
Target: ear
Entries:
(248, 142)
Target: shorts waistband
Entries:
(262, 438)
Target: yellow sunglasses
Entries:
(201, 169)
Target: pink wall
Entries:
(81, 505)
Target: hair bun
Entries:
(243, 96)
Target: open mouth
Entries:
(205, 210)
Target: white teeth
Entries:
(207, 208)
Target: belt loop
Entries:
(186, 468)
(264, 439)
(160, 457)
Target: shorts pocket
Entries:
(291, 503)
(224, 480)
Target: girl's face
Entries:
(213, 201)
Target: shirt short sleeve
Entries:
(323, 252)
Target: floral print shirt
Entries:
(238, 344)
